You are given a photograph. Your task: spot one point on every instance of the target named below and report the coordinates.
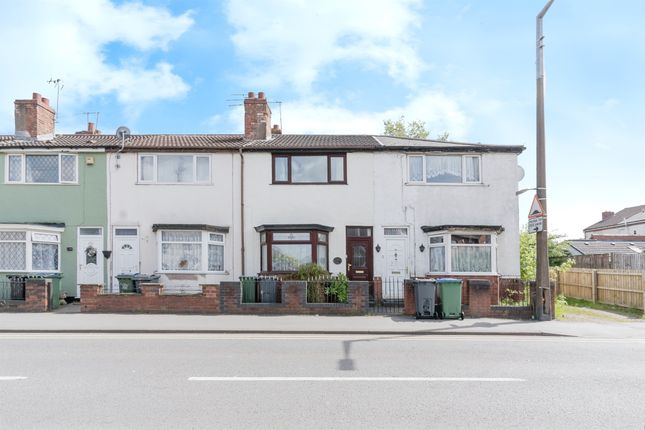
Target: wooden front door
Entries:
(359, 253)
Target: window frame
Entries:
(29, 241)
(205, 241)
(23, 168)
(155, 164)
(289, 156)
(447, 245)
(266, 239)
(424, 157)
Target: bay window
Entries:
(41, 169)
(174, 169)
(462, 253)
(285, 251)
(29, 251)
(309, 169)
(444, 169)
(191, 251)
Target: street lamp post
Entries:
(542, 271)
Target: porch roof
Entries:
(454, 227)
(204, 227)
(292, 227)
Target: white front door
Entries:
(89, 251)
(126, 252)
(396, 266)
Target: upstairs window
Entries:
(310, 169)
(444, 169)
(41, 169)
(174, 169)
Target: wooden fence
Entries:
(612, 287)
(610, 261)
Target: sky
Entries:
(464, 67)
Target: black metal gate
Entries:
(386, 296)
(13, 288)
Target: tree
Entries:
(559, 256)
(414, 129)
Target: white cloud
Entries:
(440, 113)
(291, 41)
(66, 39)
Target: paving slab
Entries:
(311, 324)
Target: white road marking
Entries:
(12, 378)
(347, 379)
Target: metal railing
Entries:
(386, 295)
(12, 288)
(327, 290)
(516, 294)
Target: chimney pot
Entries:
(91, 128)
(35, 96)
(45, 101)
(607, 214)
(251, 95)
(261, 95)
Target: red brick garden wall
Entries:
(36, 298)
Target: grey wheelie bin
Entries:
(424, 295)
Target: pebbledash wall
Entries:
(142, 205)
(76, 205)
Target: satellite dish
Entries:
(123, 132)
(520, 173)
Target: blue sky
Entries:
(465, 67)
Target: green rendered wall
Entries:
(84, 204)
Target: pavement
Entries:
(68, 321)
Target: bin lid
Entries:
(448, 280)
(125, 276)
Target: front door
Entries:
(359, 253)
(396, 267)
(89, 253)
(126, 252)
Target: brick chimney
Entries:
(607, 214)
(34, 118)
(91, 129)
(257, 117)
(276, 130)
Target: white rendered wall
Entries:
(142, 205)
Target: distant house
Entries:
(626, 222)
(607, 245)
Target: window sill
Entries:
(66, 184)
(432, 184)
(191, 272)
(308, 183)
(444, 274)
(198, 184)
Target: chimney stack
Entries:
(276, 130)
(606, 215)
(257, 117)
(34, 118)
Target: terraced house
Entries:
(53, 201)
(202, 209)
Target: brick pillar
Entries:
(409, 303)
(479, 301)
(148, 290)
(89, 294)
(36, 296)
(378, 289)
(358, 295)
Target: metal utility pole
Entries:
(542, 271)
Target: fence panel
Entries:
(620, 289)
(577, 283)
(611, 261)
(611, 287)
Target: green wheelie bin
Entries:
(450, 293)
(248, 289)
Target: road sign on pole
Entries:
(537, 210)
(536, 225)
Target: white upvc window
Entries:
(463, 253)
(174, 169)
(41, 168)
(444, 169)
(191, 251)
(29, 251)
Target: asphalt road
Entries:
(219, 381)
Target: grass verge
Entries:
(585, 309)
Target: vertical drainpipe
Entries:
(242, 211)
(108, 227)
